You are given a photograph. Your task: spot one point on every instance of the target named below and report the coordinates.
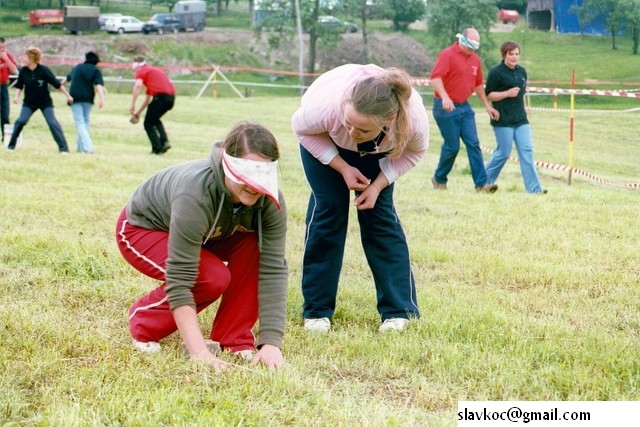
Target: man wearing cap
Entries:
(7, 67)
(160, 98)
(212, 229)
(456, 75)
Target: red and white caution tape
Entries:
(554, 91)
(561, 167)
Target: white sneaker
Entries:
(146, 347)
(322, 324)
(394, 324)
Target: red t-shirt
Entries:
(460, 73)
(4, 69)
(155, 80)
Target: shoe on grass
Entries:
(394, 324)
(487, 188)
(165, 147)
(437, 185)
(146, 347)
(322, 324)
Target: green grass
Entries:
(522, 297)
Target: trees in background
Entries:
(403, 12)
(448, 18)
(619, 15)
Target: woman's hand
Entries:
(270, 355)
(187, 321)
(367, 199)
(208, 358)
(354, 179)
(513, 92)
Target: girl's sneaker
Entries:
(322, 324)
(146, 347)
(394, 324)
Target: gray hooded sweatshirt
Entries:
(191, 202)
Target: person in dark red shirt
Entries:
(8, 66)
(160, 98)
(456, 75)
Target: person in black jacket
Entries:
(34, 79)
(505, 88)
(86, 79)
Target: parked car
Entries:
(161, 23)
(123, 24)
(333, 24)
(103, 17)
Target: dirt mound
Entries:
(386, 50)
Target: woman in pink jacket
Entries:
(360, 128)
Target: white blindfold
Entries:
(259, 176)
(471, 44)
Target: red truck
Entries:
(45, 17)
(508, 16)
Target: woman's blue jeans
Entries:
(52, 122)
(81, 112)
(505, 137)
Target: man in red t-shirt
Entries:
(7, 67)
(456, 75)
(160, 98)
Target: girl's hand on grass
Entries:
(270, 355)
(208, 358)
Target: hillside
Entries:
(384, 49)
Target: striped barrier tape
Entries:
(567, 110)
(565, 168)
(427, 82)
(618, 93)
(417, 81)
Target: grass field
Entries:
(522, 297)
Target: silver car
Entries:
(123, 24)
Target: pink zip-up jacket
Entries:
(319, 126)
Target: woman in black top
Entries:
(505, 88)
(34, 79)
